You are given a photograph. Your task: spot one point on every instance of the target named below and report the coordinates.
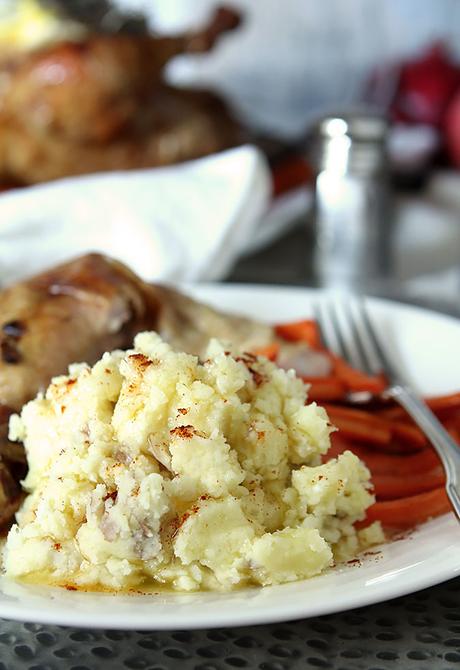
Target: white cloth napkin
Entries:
(193, 221)
(183, 223)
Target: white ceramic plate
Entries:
(427, 346)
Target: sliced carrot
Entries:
(391, 487)
(355, 380)
(393, 464)
(365, 433)
(443, 405)
(410, 511)
(395, 413)
(452, 417)
(270, 351)
(454, 432)
(339, 444)
(325, 389)
(382, 463)
(409, 434)
(353, 412)
(359, 425)
(372, 428)
(300, 331)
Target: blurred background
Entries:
(292, 60)
(375, 198)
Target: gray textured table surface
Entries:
(418, 632)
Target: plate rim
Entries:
(181, 622)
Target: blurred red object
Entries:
(290, 173)
(426, 86)
(452, 130)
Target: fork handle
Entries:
(447, 449)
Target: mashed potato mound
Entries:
(153, 467)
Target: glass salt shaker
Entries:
(352, 202)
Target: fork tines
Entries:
(346, 329)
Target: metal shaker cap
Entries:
(360, 127)
(352, 142)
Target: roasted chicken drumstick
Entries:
(71, 313)
(93, 90)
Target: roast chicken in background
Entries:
(76, 312)
(100, 103)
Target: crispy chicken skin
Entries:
(71, 313)
(100, 104)
(13, 468)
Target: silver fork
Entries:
(347, 328)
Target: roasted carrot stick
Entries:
(444, 402)
(300, 331)
(355, 380)
(358, 425)
(409, 434)
(395, 413)
(454, 431)
(439, 405)
(325, 389)
(270, 351)
(370, 428)
(411, 511)
(339, 444)
(392, 487)
(392, 464)
(382, 463)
